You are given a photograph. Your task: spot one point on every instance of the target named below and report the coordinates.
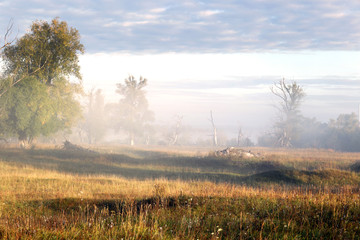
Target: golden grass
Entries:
(33, 184)
(40, 203)
(29, 183)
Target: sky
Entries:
(216, 55)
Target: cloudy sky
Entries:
(219, 55)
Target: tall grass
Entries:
(41, 197)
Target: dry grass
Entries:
(26, 182)
(42, 198)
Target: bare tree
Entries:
(239, 137)
(291, 96)
(215, 140)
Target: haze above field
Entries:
(215, 55)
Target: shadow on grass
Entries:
(160, 165)
(355, 167)
(70, 205)
(153, 166)
(275, 176)
(329, 178)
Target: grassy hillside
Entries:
(119, 192)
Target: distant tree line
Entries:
(341, 134)
(292, 129)
(38, 100)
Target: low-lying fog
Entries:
(235, 87)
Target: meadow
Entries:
(117, 192)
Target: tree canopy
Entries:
(33, 109)
(37, 97)
(48, 51)
(133, 106)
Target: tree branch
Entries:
(22, 78)
(7, 35)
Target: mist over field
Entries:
(221, 57)
(236, 87)
(179, 119)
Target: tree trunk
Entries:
(215, 142)
(215, 137)
(25, 141)
(132, 142)
(176, 132)
(239, 138)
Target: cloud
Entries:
(43, 11)
(195, 26)
(157, 10)
(81, 11)
(209, 13)
(4, 3)
(334, 15)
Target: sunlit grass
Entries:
(282, 195)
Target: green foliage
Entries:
(37, 97)
(47, 52)
(294, 130)
(134, 112)
(341, 134)
(345, 122)
(33, 108)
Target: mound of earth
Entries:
(329, 177)
(73, 147)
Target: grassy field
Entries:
(180, 193)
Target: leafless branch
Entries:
(7, 35)
(291, 96)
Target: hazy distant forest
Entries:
(60, 185)
(42, 100)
